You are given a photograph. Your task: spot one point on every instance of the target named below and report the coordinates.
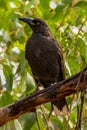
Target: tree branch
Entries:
(30, 102)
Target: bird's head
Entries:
(37, 25)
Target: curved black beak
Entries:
(27, 20)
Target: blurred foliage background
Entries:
(67, 20)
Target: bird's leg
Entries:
(37, 85)
(36, 114)
(49, 116)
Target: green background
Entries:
(67, 20)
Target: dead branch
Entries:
(30, 102)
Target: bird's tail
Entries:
(60, 107)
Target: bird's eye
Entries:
(38, 23)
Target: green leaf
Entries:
(59, 11)
(26, 7)
(17, 125)
(82, 48)
(28, 120)
(30, 84)
(9, 77)
(44, 4)
(8, 126)
(22, 63)
(57, 123)
(5, 99)
(74, 64)
(82, 5)
(67, 1)
(41, 120)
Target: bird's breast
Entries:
(42, 57)
(37, 61)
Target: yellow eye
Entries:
(38, 23)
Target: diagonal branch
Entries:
(30, 102)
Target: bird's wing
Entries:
(60, 60)
(56, 52)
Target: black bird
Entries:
(45, 58)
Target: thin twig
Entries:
(37, 120)
(43, 114)
(80, 29)
(49, 116)
(45, 119)
(67, 12)
(80, 110)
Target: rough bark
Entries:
(56, 91)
